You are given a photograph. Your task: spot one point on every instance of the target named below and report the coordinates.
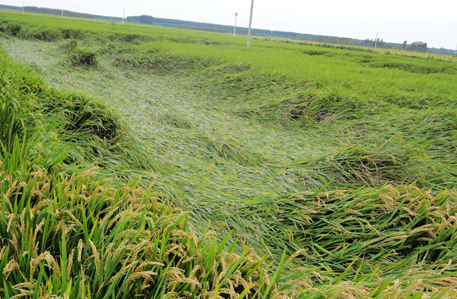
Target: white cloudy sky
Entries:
(434, 22)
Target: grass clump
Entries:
(83, 57)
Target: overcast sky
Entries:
(434, 22)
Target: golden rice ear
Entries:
(10, 266)
(46, 256)
(96, 257)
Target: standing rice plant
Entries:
(82, 238)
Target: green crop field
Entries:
(147, 162)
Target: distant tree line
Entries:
(442, 51)
(414, 47)
(143, 19)
(9, 7)
(418, 47)
(343, 41)
(58, 12)
(379, 43)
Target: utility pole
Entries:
(62, 10)
(376, 41)
(234, 30)
(250, 23)
(123, 17)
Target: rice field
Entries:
(165, 163)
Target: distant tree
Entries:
(404, 46)
(418, 47)
(368, 43)
(381, 43)
(144, 19)
(133, 19)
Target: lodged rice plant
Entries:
(83, 57)
(279, 171)
(368, 166)
(69, 46)
(74, 235)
